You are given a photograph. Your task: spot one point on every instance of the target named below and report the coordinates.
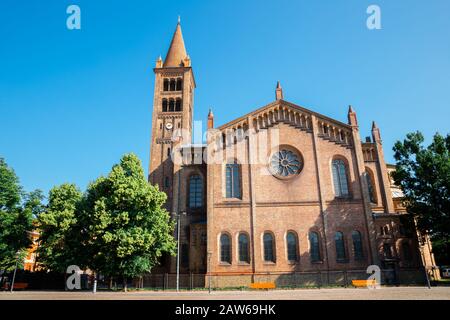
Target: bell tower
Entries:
(172, 112)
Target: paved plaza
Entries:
(400, 293)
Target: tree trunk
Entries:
(110, 283)
(3, 278)
(125, 285)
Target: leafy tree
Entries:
(124, 227)
(10, 189)
(59, 247)
(17, 213)
(424, 176)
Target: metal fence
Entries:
(315, 279)
(193, 281)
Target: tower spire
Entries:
(177, 52)
(352, 119)
(210, 119)
(279, 91)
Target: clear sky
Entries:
(73, 101)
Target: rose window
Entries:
(285, 163)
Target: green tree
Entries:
(423, 173)
(124, 227)
(17, 213)
(60, 246)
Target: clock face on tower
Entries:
(169, 126)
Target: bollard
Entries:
(94, 289)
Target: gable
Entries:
(279, 110)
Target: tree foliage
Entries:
(17, 213)
(423, 173)
(118, 227)
(126, 227)
(58, 241)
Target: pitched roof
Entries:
(177, 51)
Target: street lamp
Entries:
(15, 270)
(178, 248)
(209, 270)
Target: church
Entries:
(279, 194)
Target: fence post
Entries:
(165, 281)
(320, 279)
(345, 278)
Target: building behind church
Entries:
(280, 194)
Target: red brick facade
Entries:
(300, 203)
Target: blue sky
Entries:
(72, 102)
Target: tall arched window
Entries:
(172, 84)
(269, 247)
(370, 186)
(357, 245)
(340, 178)
(291, 242)
(232, 180)
(166, 182)
(340, 246)
(225, 248)
(314, 246)
(179, 84)
(164, 105)
(166, 85)
(195, 191)
(171, 105)
(387, 251)
(178, 105)
(244, 255)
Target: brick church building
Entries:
(281, 191)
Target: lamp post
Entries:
(209, 271)
(15, 270)
(178, 248)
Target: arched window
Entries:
(314, 246)
(406, 249)
(179, 84)
(244, 255)
(164, 105)
(172, 84)
(370, 186)
(269, 247)
(340, 246)
(171, 105)
(166, 85)
(357, 245)
(178, 105)
(232, 180)
(225, 248)
(291, 242)
(387, 251)
(340, 178)
(166, 182)
(195, 191)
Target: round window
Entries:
(285, 163)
